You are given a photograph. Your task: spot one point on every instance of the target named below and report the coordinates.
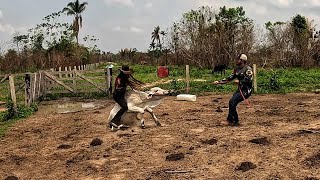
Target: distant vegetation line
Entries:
(204, 37)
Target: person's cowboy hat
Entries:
(126, 70)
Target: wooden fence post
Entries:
(13, 94)
(70, 75)
(255, 88)
(42, 85)
(34, 87)
(108, 77)
(39, 84)
(74, 78)
(187, 78)
(60, 75)
(27, 81)
(66, 69)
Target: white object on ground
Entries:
(186, 97)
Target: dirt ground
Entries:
(279, 138)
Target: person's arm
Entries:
(226, 80)
(118, 84)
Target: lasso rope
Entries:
(246, 100)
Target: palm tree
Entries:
(75, 9)
(155, 35)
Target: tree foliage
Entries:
(206, 38)
(75, 9)
(49, 44)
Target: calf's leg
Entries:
(132, 108)
(154, 116)
(141, 118)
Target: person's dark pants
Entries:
(124, 107)
(234, 101)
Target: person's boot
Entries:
(113, 126)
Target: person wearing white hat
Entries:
(244, 75)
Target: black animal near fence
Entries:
(219, 69)
(27, 88)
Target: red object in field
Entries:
(163, 71)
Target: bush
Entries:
(22, 111)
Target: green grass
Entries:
(289, 80)
(8, 119)
(4, 125)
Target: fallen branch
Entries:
(309, 130)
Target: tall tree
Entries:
(155, 35)
(75, 9)
(156, 45)
(232, 21)
(278, 42)
(304, 41)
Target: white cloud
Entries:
(117, 29)
(1, 14)
(135, 29)
(315, 2)
(131, 29)
(6, 28)
(128, 3)
(256, 8)
(148, 5)
(283, 3)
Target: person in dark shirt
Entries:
(244, 75)
(123, 80)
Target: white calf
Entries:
(139, 101)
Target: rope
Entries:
(246, 100)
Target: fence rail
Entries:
(27, 88)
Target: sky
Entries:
(120, 24)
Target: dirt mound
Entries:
(311, 178)
(18, 160)
(262, 141)
(313, 161)
(245, 166)
(211, 141)
(11, 178)
(175, 157)
(96, 142)
(308, 131)
(219, 109)
(64, 146)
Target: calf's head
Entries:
(158, 93)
